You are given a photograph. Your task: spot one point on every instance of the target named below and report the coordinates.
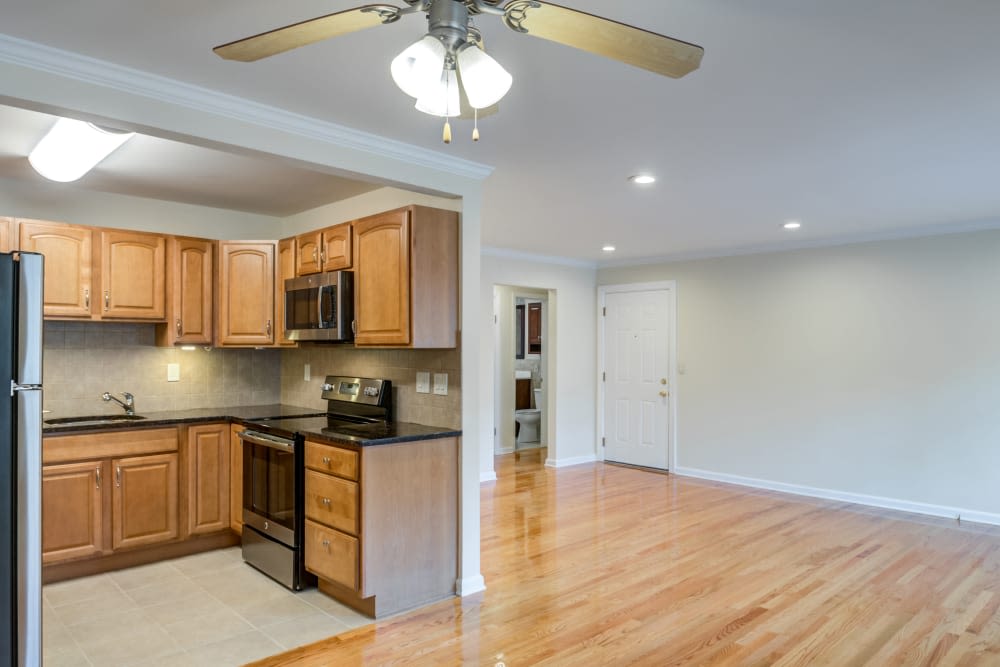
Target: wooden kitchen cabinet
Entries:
(207, 478)
(235, 479)
(144, 500)
(68, 252)
(190, 293)
(73, 510)
(6, 224)
(382, 523)
(286, 270)
(323, 250)
(245, 305)
(133, 275)
(406, 278)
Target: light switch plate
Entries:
(441, 384)
(307, 373)
(173, 372)
(423, 382)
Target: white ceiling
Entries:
(859, 117)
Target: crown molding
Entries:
(852, 239)
(506, 253)
(82, 68)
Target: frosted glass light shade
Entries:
(72, 148)
(419, 66)
(442, 99)
(484, 79)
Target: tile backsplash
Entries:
(85, 359)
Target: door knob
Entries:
(664, 394)
(663, 380)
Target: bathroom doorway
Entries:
(523, 350)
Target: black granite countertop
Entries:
(279, 419)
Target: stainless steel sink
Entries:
(93, 420)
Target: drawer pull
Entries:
(326, 501)
(326, 460)
(326, 543)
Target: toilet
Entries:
(530, 421)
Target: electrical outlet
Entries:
(307, 373)
(173, 372)
(441, 384)
(423, 382)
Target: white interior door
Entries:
(637, 377)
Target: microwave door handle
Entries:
(319, 307)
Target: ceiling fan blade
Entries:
(618, 41)
(299, 34)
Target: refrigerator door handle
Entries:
(29, 526)
(29, 321)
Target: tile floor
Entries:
(208, 609)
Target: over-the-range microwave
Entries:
(320, 307)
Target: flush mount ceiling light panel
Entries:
(72, 148)
(449, 73)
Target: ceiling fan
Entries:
(448, 70)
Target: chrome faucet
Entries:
(128, 404)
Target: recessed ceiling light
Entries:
(642, 179)
(792, 224)
(608, 248)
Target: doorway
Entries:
(636, 396)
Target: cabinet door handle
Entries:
(118, 476)
(326, 461)
(314, 254)
(354, 327)
(269, 327)
(98, 471)
(326, 501)
(322, 257)
(107, 299)
(178, 325)
(86, 298)
(326, 543)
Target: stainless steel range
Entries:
(274, 469)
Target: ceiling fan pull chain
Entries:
(447, 131)
(475, 128)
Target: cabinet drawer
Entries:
(332, 501)
(114, 444)
(333, 460)
(332, 555)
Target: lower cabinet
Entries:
(382, 523)
(207, 477)
(73, 510)
(144, 510)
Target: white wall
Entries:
(571, 364)
(65, 203)
(869, 369)
(368, 203)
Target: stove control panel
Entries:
(369, 391)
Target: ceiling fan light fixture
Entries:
(441, 99)
(418, 67)
(484, 79)
(72, 148)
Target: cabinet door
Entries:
(286, 270)
(307, 253)
(336, 251)
(144, 502)
(382, 279)
(5, 229)
(73, 510)
(190, 276)
(235, 479)
(68, 254)
(208, 478)
(133, 275)
(332, 555)
(246, 293)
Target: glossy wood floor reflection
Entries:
(603, 565)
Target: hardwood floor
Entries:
(603, 565)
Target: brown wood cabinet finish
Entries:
(207, 476)
(333, 460)
(73, 510)
(246, 293)
(332, 501)
(286, 270)
(6, 224)
(235, 479)
(68, 250)
(331, 554)
(307, 249)
(323, 250)
(144, 500)
(133, 275)
(190, 293)
(406, 278)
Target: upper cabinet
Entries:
(406, 278)
(68, 251)
(5, 231)
(324, 250)
(190, 293)
(133, 275)
(245, 305)
(286, 270)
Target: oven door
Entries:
(269, 486)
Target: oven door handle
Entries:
(267, 441)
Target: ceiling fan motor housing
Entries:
(448, 21)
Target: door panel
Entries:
(145, 500)
(73, 510)
(68, 252)
(637, 389)
(133, 271)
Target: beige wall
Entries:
(85, 359)
(369, 203)
(869, 370)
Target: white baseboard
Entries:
(470, 585)
(490, 476)
(572, 461)
(845, 496)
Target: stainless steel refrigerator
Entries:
(21, 459)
